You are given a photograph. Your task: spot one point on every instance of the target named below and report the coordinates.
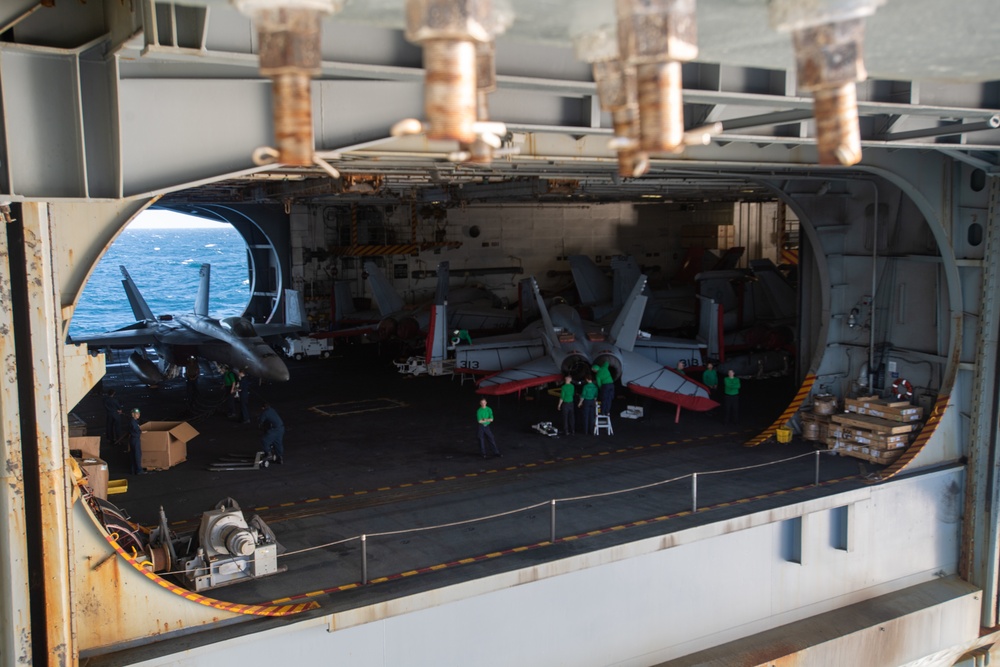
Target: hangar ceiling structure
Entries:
(168, 97)
(111, 107)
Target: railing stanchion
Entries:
(817, 467)
(694, 492)
(552, 521)
(364, 559)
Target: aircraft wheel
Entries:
(266, 463)
(325, 354)
(298, 356)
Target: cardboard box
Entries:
(96, 471)
(89, 446)
(164, 444)
(77, 427)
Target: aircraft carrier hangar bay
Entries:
(322, 130)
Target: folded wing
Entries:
(532, 374)
(648, 378)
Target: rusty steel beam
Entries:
(15, 620)
(55, 497)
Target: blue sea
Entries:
(164, 264)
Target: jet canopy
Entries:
(240, 327)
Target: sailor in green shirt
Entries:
(731, 396)
(710, 378)
(566, 406)
(605, 386)
(588, 401)
(484, 415)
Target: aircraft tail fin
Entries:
(591, 284)
(444, 277)
(386, 298)
(710, 328)
(140, 308)
(437, 334)
(527, 306)
(201, 301)
(625, 271)
(343, 301)
(551, 340)
(295, 308)
(775, 292)
(626, 327)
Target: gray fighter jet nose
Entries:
(274, 369)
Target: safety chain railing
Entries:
(552, 504)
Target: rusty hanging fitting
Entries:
(616, 89)
(448, 30)
(655, 37)
(829, 62)
(5, 214)
(616, 86)
(828, 37)
(479, 151)
(289, 35)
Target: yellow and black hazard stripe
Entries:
(789, 412)
(937, 412)
(267, 609)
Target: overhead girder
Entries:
(183, 103)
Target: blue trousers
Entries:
(486, 433)
(273, 442)
(606, 393)
(589, 416)
(569, 418)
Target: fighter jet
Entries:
(562, 344)
(234, 341)
(470, 308)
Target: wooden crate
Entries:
(874, 424)
(869, 438)
(900, 411)
(869, 454)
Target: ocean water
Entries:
(164, 264)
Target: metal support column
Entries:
(54, 485)
(15, 620)
(979, 560)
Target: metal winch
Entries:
(230, 549)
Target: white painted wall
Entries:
(644, 602)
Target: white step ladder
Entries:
(603, 421)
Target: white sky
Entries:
(160, 219)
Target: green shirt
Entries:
(589, 392)
(731, 385)
(567, 392)
(603, 375)
(485, 415)
(710, 378)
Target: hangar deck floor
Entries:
(369, 451)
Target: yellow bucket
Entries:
(784, 435)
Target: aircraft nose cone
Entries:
(275, 370)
